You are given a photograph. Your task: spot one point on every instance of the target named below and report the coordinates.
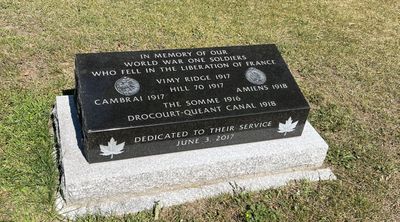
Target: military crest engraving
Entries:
(127, 86)
(255, 76)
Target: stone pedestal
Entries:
(132, 185)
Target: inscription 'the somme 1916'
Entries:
(134, 104)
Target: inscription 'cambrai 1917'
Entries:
(142, 103)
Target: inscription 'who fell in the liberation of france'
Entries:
(153, 102)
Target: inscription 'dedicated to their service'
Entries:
(225, 133)
(189, 82)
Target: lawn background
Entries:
(343, 54)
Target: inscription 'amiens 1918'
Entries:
(155, 102)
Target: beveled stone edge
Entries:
(132, 204)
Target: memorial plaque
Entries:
(142, 103)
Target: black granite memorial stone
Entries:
(134, 104)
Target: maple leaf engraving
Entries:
(112, 148)
(287, 127)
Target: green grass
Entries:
(344, 55)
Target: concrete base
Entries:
(132, 185)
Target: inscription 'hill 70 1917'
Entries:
(143, 103)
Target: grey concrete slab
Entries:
(132, 185)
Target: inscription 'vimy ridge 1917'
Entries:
(134, 104)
